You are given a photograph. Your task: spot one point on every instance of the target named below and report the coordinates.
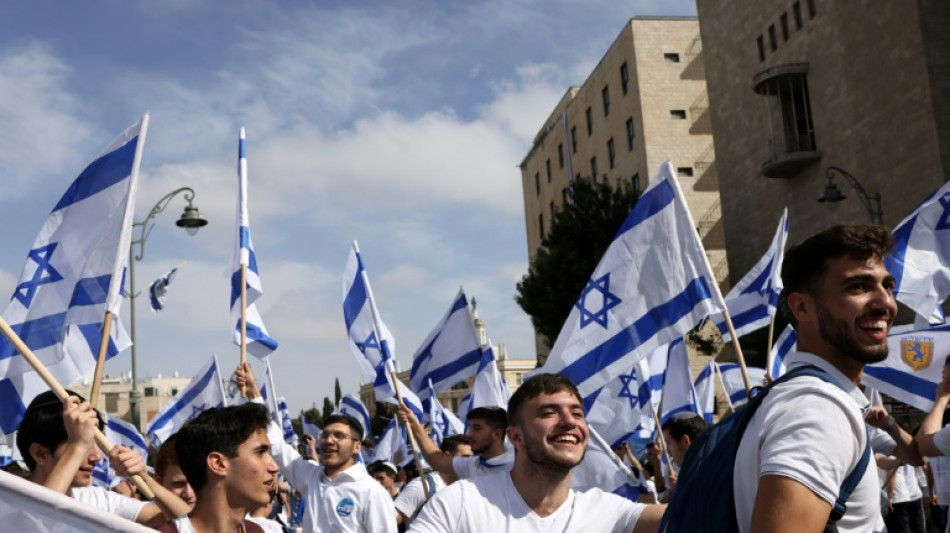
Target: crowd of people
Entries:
(815, 453)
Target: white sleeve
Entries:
(464, 466)
(410, 499)
(380, 513)
(291, 464)
(881, 442)
(442, 513)
(942, 440)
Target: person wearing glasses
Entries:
(341, 496)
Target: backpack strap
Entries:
(851, 482)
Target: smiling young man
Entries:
(809, 435)
(341, 496)
(550, 436)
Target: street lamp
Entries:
(191, 221)
(872, 202)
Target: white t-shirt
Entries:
(413, 496)
(942, 440)
(474, 466)
(493, 504)
(108, 501)
(906, 488)
(814, 433)
(184, 525)
(351, 502)
(940, 468)
(268, 525)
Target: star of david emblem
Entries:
(370, 342)
(607, 301)
(439, 425)
(625, 392)
(41, 256)
(196, 410)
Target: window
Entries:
(624, 78)
(605, 95)
(574, 139)
(590, 122)
(593, 168)
(761, 44)
(671, 58)
(637, 188)
(631, 135)
(537, 183)
(812, 9)
(797, 13)
(149, 391)
(611, 153)
(793, 129)
(547, 167)
(784, 20)
(684, 172)
(551, 209)
(541, 225)
(773, 41)
(678, 114)
(560, 155)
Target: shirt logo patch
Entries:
(345, 507)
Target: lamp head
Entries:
(191, 220)
(832, 194)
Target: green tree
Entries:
(337, 392)
(327, 407)
(570, 250)
(313, 414)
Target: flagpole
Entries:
(101, 360)
(769, 359)
(101, 440)
(723, 384)
(243, 322)
(599, 441)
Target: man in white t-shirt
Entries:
(933, 437)
(57, 441)
(341, 496)
(413, 497)
(808, 435)
(486, 430)
(225, 455)
(550, 436)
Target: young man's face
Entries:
(338, 446)
(83, 477)
(175, 481)
(463, 450)
(552, 432)
(388, 482)
(481, 434)
(251, 472)
(676, 448)
(854, 308)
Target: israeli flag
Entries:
(784, 345)
(752, 301)
(120, 433)
(597, 470)
(920, 261)
(393, 445)
(678, 392)
(372, 349)
(731, 376)
(309, 428)
(159, 289)
(913, 367)
(442, 423)
(450, 354)
(269, 394)
(258, 342)
(652, 286)
(204, 392)
(624, 408)
(73, 272)
(290, 437)
(489, 388)
(351, 405)
(705, 387)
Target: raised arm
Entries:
(429, 449)
(906, 451)
(81, 422)
(165, 506)
(933, 421)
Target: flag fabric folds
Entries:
(705, 386)
(204, 392)
(920, 261)
(259, 343)
(450, 354)
(597, 470)
(678, 392)
(440, 420)
(731, 376)
(913, 367)
(753, 300)
(651, 287)
(290, 437)
(73, 271)
(121, 433)
(489, 388)
(351, 405)
(309, 428)
(785, 344)
(159, 289)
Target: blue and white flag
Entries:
(392, 445)
(450, 354)
(678, 392)
(920, 261)
(785, 344)
(651, 287)
(269, 394)
(351, 405)
(489, 388)
(73, 272)
(258, 342)
(120, 433)
(705, 386)
(731, 376)
(597, 470)
(204, 392)
(624, 408)
(913, 367)
(465, 405)
(290, 437)
(309, 428)
(159, 289)
(752, 301)
(442, 423)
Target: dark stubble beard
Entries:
(539, 456)
(839, 334)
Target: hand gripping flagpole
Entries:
(391, 368)
(101, 440)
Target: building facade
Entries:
(803, 90)
(643, 104)
(114, 394)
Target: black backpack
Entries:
(703, 499)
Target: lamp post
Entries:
(191, 221)
(831, 194)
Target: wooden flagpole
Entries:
(61, 393)
(412, 437)
(243, 322)
(769, 358)
(101, 360)
(735, 342)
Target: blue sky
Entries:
(396, 124)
